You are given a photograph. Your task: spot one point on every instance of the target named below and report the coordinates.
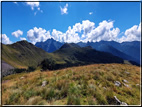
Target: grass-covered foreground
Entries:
(84, 85)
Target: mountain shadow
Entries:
(74, 55)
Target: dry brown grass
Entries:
(91, 82)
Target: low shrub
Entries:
(13, 98)
(100, 99)
(110, 98)
(73, 100)
(34, 100)
(91, 101)
(73, 95)
(17, 70)
(31, 69)
(29, 93)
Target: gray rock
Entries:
(117, 83)
(44, 83)
(123, 103)
(104, 88)
(22, 77)
(125, 81)
(126, 85)
(118, 102)
(127, 72)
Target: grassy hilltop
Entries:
(85, 85)
(23, 54)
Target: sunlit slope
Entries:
(85, 85)
(23, 54)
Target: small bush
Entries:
(64, 91)
(17, 70)
(96, 76)
(60, 83)
(29, 93)
(73, 95)
(48, 94)
(48, 64)
(34, 100)
(31, 69)
(91, 101)
(100, 99)
(91, 89)
(73, 100)
(110, 98)
(13, 98)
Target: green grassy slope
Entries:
(84, 85)
(73, 55)
(86, 55)
(23, 54)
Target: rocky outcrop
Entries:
(118, 102)
(6, 69)
(44, 83)
(117, 83)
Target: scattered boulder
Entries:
(44, 83)
(123, 103)
(118, 102)
(104, 88)
(125, 81)
(117, 83)
(127, 72)
(126, 85)
(22, 77)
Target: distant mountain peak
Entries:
(69, 45)
(50, 45)
(89, 47)
(22, 42)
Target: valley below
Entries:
(95, 84)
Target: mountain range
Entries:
(23, 54)
(125, 50)
(74, 55)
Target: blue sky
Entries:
(92, 21)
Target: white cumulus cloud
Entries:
(105, 31)
(71, 35)
(90, 13)
(87, 26)
(5, 39)
(132, 34)
(33, 4)
(22, 38)
(85, 31)
(15, 2)
(38, 35)
(64, 10)
(57, 35)
(17, 33)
